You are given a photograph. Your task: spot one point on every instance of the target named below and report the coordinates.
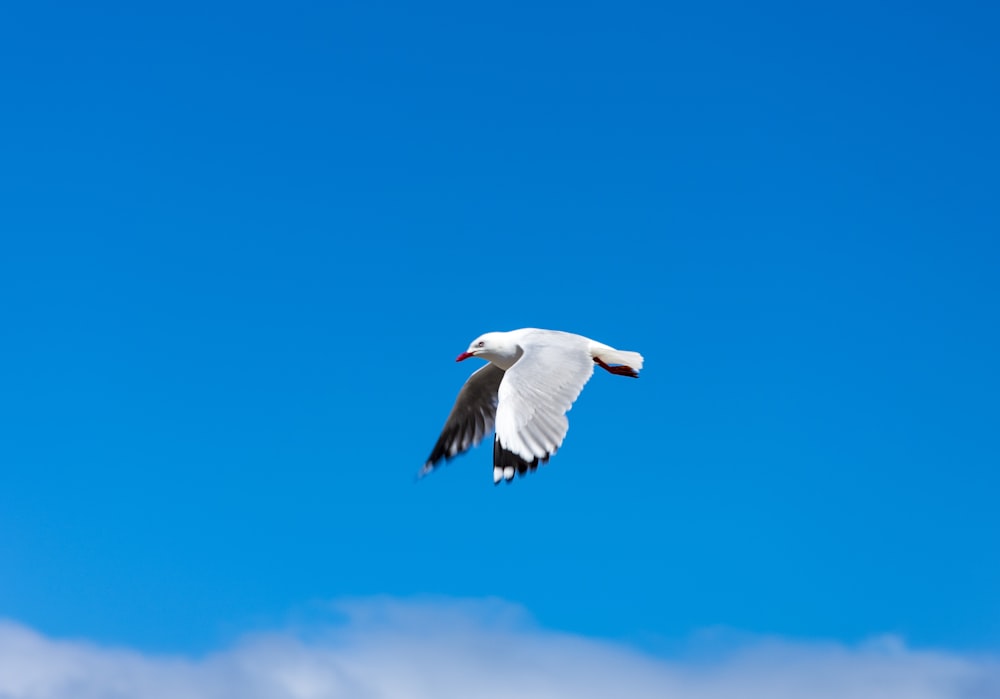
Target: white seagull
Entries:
(525, 391)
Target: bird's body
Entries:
(531, 381)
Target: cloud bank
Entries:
(386, 649)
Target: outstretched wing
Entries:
(471, 418)
(534, 396)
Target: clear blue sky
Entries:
(243, 243)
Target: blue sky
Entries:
(243, 244)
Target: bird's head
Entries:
(500, 348)
(482, 345)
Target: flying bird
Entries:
(524, 392)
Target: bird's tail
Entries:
(610, 355)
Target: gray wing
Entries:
(471, 418)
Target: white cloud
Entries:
(472, 650)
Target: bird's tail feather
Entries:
(610, 355)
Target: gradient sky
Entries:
(243, 243)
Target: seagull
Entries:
(524, 392)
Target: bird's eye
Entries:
(480, 344)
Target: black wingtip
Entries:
(508, 463)
(424, 471)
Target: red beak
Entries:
(464, 355)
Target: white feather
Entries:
(538, 390)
